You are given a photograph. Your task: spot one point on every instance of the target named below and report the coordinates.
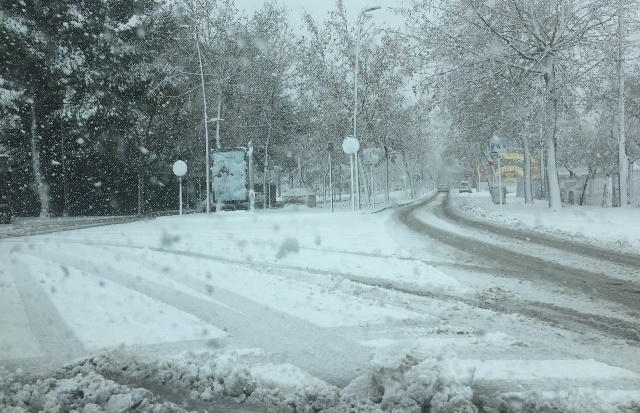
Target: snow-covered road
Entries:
(301, 301)
(611, 281)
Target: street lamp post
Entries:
(206, 128)
(206, 122)
(360, 22)
(351, 146)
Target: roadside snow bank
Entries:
(244, 375)
(619, 228)
(573, 401)
(399, 379)
(412, 381)
(86, 393)
(119, 381)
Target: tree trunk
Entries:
(555, 201)
(584, 188)
(340, 183)
(543, 175)
(140, 190)
(623, 161)
(607, 202)
(487, 174)
(493, 173)
(141, 163)
(386, 175)
(364, 179)
(528, 195)
(266, 180)
(404, 173)
(632, 194)
(41, 185)
(412, 184)
(218, 121)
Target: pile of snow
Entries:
(480, 212)
(572, 401)
(414, 382)
(399, 379)
(244, 375)
(86, 393)
(406, 382)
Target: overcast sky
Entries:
(320, 9)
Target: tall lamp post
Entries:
(206, 122)
(360, 22)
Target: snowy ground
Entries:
(287, 310)
(614, 228)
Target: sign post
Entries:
(179, 169)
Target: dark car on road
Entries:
(443, 188)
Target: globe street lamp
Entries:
(179, 169)
(360, 22)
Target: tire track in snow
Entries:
(275, 245)
(557, 316)
(545, 312)
(292, 340)
(516, 264)
(56, 338)
(521, 264)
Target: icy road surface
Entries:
(302, 306)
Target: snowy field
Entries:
(295, 310)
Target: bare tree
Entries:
(556, 41)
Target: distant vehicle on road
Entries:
(443, 188)
(464, 187)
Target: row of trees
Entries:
(547, 74)
(98, 98)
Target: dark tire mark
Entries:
(527, 267)
(522, 266)
(555, 315)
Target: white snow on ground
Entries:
(493, 288)
(202, 283)
(17, 341)
(614, 228)
(117, 315)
